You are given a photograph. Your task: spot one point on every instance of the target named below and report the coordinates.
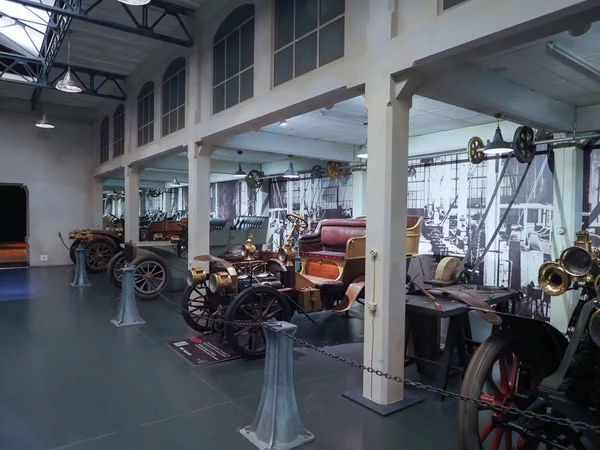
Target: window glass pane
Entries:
(140, 134)
(451, 3)
(331, 42)
(306, 16)
(151, 132)
(151, 107)
(218, 99)
(219, 63)
(284, 22)
(246, 85)
(330, 9)
(232, 54)
(165, 125)
(139, 114)
(247, 53)
(165, 98)
(284, 66)
(306, 55)
(181, 89)
(173, 94)
(232, 91)
(181, 118)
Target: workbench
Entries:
(423, 328)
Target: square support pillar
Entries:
(567, 220)
(359, 193)
(97, 204)
(388, 103)
(132, 204)
(198, 202)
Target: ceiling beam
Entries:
(588, 118)
(289, 145)
(486, 93)
(144, 28)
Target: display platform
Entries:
(204, 350)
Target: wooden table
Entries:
(422, 324)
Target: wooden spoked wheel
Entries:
(98, 253)
(197, 309)
(505, 370)
(476, 156)
(255, 304)
(151, 276)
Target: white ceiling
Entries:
(532, 67)
(345, 122)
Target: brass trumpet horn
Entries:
(553, 279)
(577, 261)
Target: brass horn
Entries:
(577, 261)
(553, 279)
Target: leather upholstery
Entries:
(332, 235)
(249, 222)
(326, 255)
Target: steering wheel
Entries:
(297, 220)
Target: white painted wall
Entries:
(56, 166)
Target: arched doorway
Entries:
(13, 226)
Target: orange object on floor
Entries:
(12, 253)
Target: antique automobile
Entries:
(332, 277)
(530, 365)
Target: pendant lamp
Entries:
(69, 82)
(497, 146)
(291, 173)
(240, 172)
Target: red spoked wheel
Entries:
(505, 371)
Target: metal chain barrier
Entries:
(416, 384)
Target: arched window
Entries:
(119, 131)
(233, 59)
(104, 140)
(308, 34)
(173, 97)
(145, 110)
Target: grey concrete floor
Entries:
(69, 379)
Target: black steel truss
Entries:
(32, 72)
(144, 27)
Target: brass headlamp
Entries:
(287, 254)
(220, 282)
(553, 279)
(248, 248)
(195, 275)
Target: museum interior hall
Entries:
(185, 189)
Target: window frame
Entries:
(295, 40)
(119, 138)
(441, 6)
(141, 127)
(180, 78)
(104, 140)
(238, 74)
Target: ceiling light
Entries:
(283, 123)
(573, 61)
(176, 181)
(291, 173)
(135, 2)
(43, 123)
(498, 146)
(69, 83)
(239, 173)
(363, 152)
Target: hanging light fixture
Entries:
(497, 146)
(239, 173)
(291, 173)
(283, 123)
(68, 82)
(43, 122)
(135, 2)
(176, 181)
(363, 152)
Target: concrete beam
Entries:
(487, 93)
(290, 145)
(588, 118)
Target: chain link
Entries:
(416, 384)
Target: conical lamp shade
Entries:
(498, 146)
(69, 83)
(43, 123)
(135, 2)
(239, 173)
(291, 172)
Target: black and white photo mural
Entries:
(591, 204)
(452, 195)
(231, 199)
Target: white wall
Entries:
(56, 166)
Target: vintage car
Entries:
(530, 365)
(332, 277)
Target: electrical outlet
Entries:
(43, 257)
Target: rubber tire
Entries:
(472, 385)
(230, 316)
(102, 268)
(187, 317)
(110, 270)
(72, 251)
(136, 262)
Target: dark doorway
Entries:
(13, 226)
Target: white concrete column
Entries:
(388, 104)
(97, 203)
(567, 219)
(262, 199)
(199, 202)
(132, 204)
(359, 193)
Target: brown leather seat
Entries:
(330, 238)
(326, 255)
(325, 283)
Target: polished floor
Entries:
(71, 380)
